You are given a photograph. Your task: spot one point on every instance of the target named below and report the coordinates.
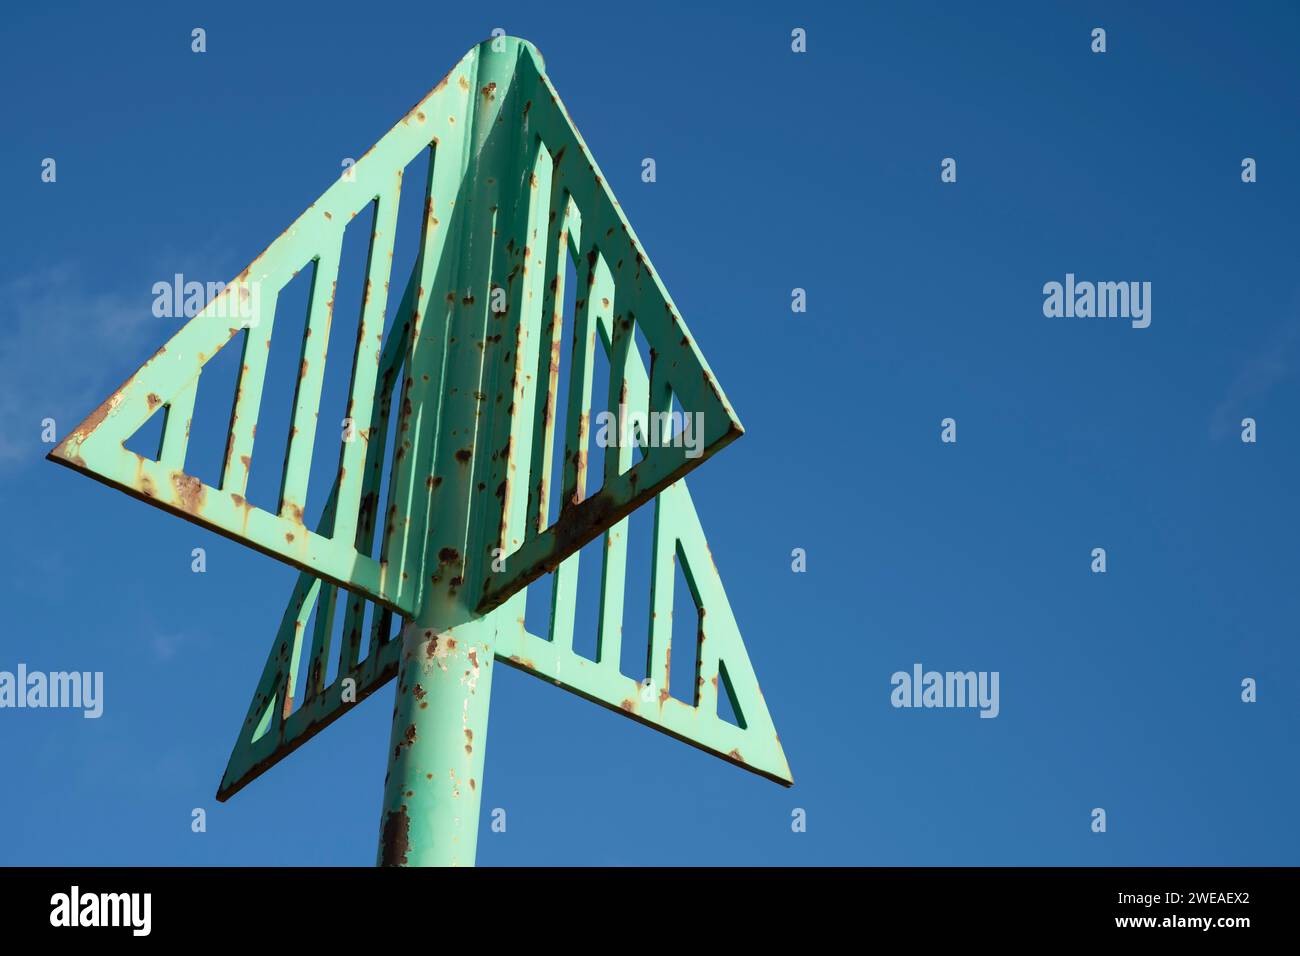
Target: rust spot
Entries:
(463, 455)
(288, 536)
(628, 704)
(189, 490)
(396, 838)
(153, 400)
(420, 692)
(448, 554)
(94, 419)
(408, 738)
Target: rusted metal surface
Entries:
(435, 767)
(476, 349)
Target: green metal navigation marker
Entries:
(470, 366)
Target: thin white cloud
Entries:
(65, 347)
(1257, 376)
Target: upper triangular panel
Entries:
(570, 212)
(246, 310)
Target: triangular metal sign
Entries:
(468, 375)
(583, 213)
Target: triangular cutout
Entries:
(146, 441)
(728, 708)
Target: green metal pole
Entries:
(435, 766)
(440, 719)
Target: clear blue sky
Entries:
(775, 170)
